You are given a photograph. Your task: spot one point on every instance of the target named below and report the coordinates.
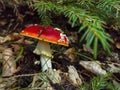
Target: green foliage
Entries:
(17, 58)
(99, 83)
(107, 10)
(89, 15)
(102, 83)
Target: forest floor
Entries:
(73, 66)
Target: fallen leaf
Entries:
(8, 61)
(13, 36)
(71, 54)
(113, 67)
(117, 45)
(73, 37)
(50, 77)
(22, 40)
(93, 66)
(74, 76)
(3, 22)
(54, 76)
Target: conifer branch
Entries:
(94, 32)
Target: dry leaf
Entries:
(17, 38)
(23, 41)
(6, 83)
(117, 45)
(117, 42)
(54, 76)
(73, 37)
(71, 54)
(9, 65)
(13, 36)
(116, 83)
(2, 48)
(35, 0)
(93, 66)
(51, 76)
(73, 76)
(3, 22)
(46, 86)
(113, 67)
(16, 48)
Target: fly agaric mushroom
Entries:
(45, 35)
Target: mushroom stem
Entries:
(43, 49)
(45, 63)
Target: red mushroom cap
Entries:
(48, 34)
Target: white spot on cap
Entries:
(62, 37)
(58, 29)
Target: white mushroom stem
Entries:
(43, 49)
